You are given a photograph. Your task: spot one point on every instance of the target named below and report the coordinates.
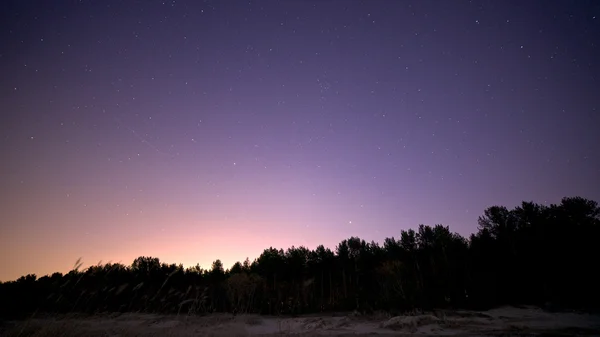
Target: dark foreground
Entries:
(506, 321)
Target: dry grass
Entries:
(190, 320)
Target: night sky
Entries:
(197, 130)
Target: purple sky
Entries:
(197, 130)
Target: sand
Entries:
(505, 321)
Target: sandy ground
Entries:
(506, 321)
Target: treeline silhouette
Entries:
(532, 254)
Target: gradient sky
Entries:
(197, 130)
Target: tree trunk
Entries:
(331, 297)
(322, 287)
(344, 283)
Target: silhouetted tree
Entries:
(532, 254)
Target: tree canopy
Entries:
(532, 254)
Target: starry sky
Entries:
(197, 130)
